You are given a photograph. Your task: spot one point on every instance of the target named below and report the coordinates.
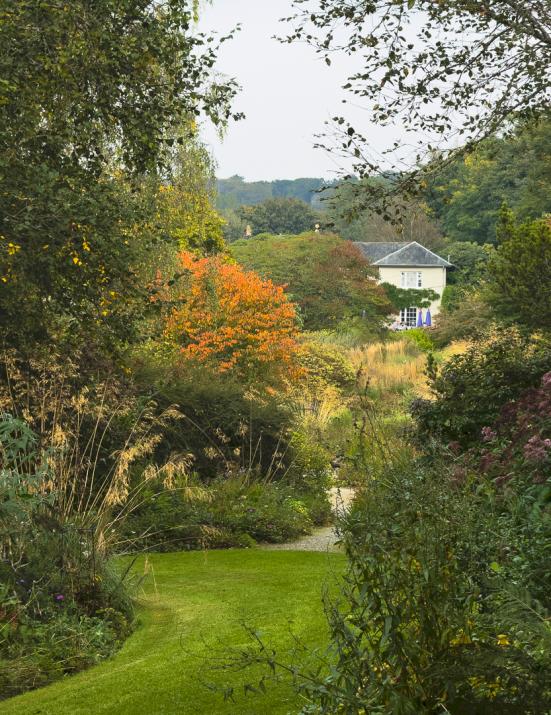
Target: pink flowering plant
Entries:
(517, 446)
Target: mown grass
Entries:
(193, 604)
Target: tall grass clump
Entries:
(69, 455)
(390, 369)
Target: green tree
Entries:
(329, 278)
(470, 261)
(519, 286)
(235, 191)
(420, 63)
(279, 215)
(187, 218)
(302, 189)
(407, 222)
(234, 227)
(92, 96)
(466, 196)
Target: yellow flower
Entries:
(503, 640)
(461, 639)
(77, 261)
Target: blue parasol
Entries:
(428, 319)
(420, 319)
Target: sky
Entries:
(287, 95)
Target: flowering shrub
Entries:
(518, 444)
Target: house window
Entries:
(412, 279)
(408, 316)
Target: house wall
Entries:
(433, 277)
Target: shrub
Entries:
(470, 389)
(220, 425)
(310, 468)
(434, 614)
(235, 511)
(421, 338)
(429, 616)
(62, 607)
(326, 364)
(62, 642)
(514, 455)
(518, 443)
(465, 317)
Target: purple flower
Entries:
(459, 476)
(454, 447)
(537, 449)
(59, 597)
(488, 434)
(487, 461)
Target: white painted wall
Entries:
(433, 277)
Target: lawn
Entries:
(192, 603)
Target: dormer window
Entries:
(412, 279)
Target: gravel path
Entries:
(323, 539)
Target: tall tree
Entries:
(467, 195)
(520, 272)
(91, 97)
(280, 215)
(329, 278)
(411, 222)
(447, 68)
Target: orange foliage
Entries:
(233, 320)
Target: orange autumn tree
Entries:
(233, 320)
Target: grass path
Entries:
(192, 603)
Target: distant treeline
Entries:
(459, 203)
(235, 191)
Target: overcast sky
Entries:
(288, 93)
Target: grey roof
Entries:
(375, 251)
(401, 254)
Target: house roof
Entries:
(375, 251)
(401, 255)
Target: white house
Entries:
(408, 265)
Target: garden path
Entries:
(326, 538)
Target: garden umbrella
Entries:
(420, 319)
(428, 319)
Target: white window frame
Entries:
(408, 316)
(412, 277)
